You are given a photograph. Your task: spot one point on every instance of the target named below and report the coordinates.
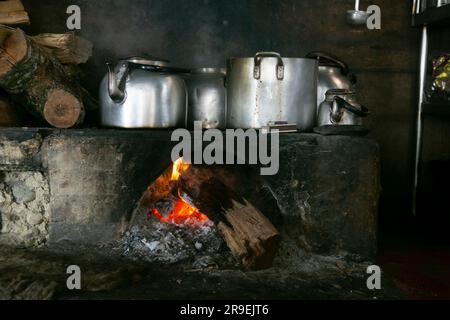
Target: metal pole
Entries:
(415, 5)
(422, 75)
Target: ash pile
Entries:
(199, 246)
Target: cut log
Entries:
(67, 48)
(12, 12)
(251, 237)
(38, 81)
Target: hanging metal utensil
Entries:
(356, 17)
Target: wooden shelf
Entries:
(432, 16)
(436, 109)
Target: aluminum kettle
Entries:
(333, 74)
(143, 93)
(341, 108)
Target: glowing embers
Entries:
(181, 210)
(182, 213)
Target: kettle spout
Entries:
(116, 87)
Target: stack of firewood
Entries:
(37, 72)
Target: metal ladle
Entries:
(356, 17)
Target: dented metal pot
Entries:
(267, 88)
(206, 98)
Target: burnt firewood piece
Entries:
(251, 237)
(38, 81)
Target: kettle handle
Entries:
(361, 112)
(318, 55)
(257, 68)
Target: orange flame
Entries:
(178, 168)
(183, 212)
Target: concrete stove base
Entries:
(323, 200)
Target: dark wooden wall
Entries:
(205, 32)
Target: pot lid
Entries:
(209, 71)
(147, 61)
(339, 92)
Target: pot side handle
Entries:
(257, 68)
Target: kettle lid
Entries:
(147, 61)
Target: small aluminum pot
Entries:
(207, 98)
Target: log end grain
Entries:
(62, 109)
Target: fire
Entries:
(178, 168)
(183, 212)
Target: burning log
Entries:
(38, 81)
(251, 237)
(67, 48)
(199, 197)
(12, 12)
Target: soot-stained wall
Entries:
(198, 33)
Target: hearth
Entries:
(97, 187)
(170, 223)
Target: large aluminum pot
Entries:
(207, 98)
(269, 88)
(143, 93)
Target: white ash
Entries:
(168, 243)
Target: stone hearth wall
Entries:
(83, 185)
(24, 207)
